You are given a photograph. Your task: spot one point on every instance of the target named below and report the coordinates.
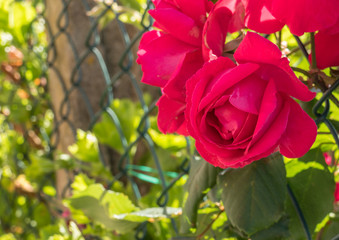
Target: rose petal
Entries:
(215, 159)
(305, 15)
(210, 127)
(292, 85)
(178, 25)
(210, 130)
(336, 192)
(247, 130)
(176, 86)
(264, 146)
(238, 11)
(224, 17)
(270, 107)
(200, 81)
(300, 133)
(195, 9)
(148, 37)
(242, 163)
(214, 32)
(171, 116)
(231, 119)
(226, 80)
(210, 122)
(255, 48)
(326, 49)
(247, 94)
(270, 138)
(160, 56)
(286, 81)
(259, 18)
(195, 89)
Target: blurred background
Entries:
(81, 156)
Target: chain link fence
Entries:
(90, 62)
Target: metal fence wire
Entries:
(86, 50)
(90, 63)
(84, 75)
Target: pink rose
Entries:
(241, 113)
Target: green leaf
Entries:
(166, 141)
(114, 210)
(8, 236)
(93, 209)
(76, 233)
(202, 177)
(149, 213)
(81, 183)
(277, 231)
(313, 186)
(254, 196)
(86, 148)
(128, 114)
(20, 15)
(211, 222)
(100, 206)
(48, 232)
(39, 167)
(331, 229)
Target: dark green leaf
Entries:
(254, 196)
(277, 231)
(313, 186)
(202, 177)
(331, 231)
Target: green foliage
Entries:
(113, 210)
(86, 148)
(307, 177)
(129, 11)
(128, 117)
(202, 177)
(254, 196)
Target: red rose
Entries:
(187, 38)
(173, 55)
(241, 113)
(162, 52)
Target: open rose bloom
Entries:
(241, 113)
(238, 109)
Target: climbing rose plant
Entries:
(228, 85)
